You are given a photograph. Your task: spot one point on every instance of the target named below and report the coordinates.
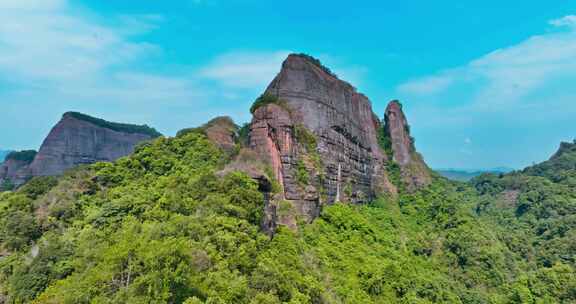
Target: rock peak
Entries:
(115, 126)
(565, 147)
(415, 173)
(395, 105)
(76, 139)
(13, 171)
(303, 61)
(319, 138)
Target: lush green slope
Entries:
(535, 213)
(162, 226)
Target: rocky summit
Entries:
(13, 171)
(414, 172)
(78, 139)
(320, 138)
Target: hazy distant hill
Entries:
(464, 175)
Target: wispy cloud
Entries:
(499, 96)
(56, 57)
(245, 69)
(506, 76)
(31, 5)
(43, 45)
(569, 21)
(427, 85)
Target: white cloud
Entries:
(506, 76)
(43, 46)
(569, 21)
(245, 69)
(427, 85)
(31, 4)
(54, 46)
(507, 101)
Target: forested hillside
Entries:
(165, 226)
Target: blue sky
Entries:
(484, 83)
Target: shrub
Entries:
(24, 156)
(265, 99)
(19, 230)
(39, 186)
(305, 137)
(302, 176)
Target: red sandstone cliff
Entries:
(13, 171)
(80, 139)
(415, 173)
(320, 139)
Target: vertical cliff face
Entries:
(414, 172)
(14, 170)
(320, 139)
(79, 139)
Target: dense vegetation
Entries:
(561, 168)
(165, 226)
(265, 99)
(23, 156)
(120, 127)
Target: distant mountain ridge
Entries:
(464, 175)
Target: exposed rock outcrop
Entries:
(319, 138)
(414, 172)
(13, 171)
(80, 139)
(565, 148)
(222, 131)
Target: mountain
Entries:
(320, 139)
(560, 167)
(79, 139)
(466, 175)
(400, 146)
(536, 208)
(317, 200)
(13, 171)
